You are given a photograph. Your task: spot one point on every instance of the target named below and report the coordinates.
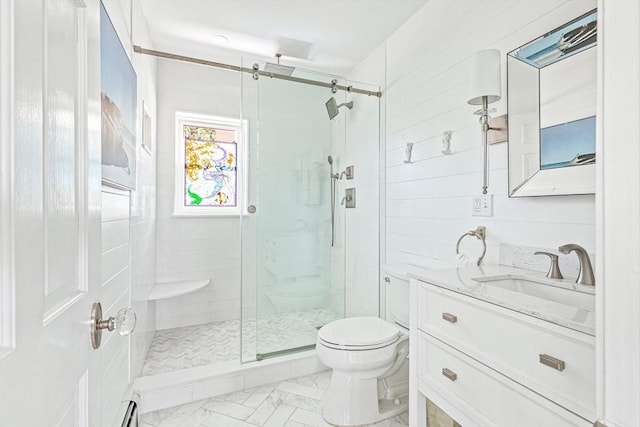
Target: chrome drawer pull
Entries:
(451, 318)
(552, 362)
(449, 374)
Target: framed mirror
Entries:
(552, 111)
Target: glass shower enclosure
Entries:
(293, 263)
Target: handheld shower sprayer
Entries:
(331, 174)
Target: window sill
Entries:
(206, 215)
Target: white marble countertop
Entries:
(576, 312)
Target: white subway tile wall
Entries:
(202, 247)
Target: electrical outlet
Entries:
(482, 205)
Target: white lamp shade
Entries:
(484, 77)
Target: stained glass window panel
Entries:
(210, 166)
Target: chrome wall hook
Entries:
(446, 142)
(408, 152)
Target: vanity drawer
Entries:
(552, 360)
(484, 397)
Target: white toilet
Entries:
(368, 355)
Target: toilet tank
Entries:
(396, 285)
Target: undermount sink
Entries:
(557, 292)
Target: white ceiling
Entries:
(342, 32)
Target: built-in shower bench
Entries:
(176, 289)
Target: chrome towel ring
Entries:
(479, 233)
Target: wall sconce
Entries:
(484, 89)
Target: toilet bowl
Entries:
(370, 375)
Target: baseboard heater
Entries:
(130, 415)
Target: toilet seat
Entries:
(358, 333)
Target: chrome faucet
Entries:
(585, 277)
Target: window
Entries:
(210, 172)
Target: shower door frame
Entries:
(257, 143)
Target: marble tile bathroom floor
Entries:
(211, 343)
(295, 402)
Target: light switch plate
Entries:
(482, 205)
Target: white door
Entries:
(50, 212)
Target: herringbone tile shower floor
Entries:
(200, 345)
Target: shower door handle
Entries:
(251, 209)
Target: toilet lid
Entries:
(358, 331)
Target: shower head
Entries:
(332, 107)
(330, 160)
(280, 69)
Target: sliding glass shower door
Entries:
(293, 244)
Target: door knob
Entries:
(124, 322)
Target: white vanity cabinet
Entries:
(487, 365)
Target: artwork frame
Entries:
(118, 108)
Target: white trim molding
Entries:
(7, 168)
(618, 210)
